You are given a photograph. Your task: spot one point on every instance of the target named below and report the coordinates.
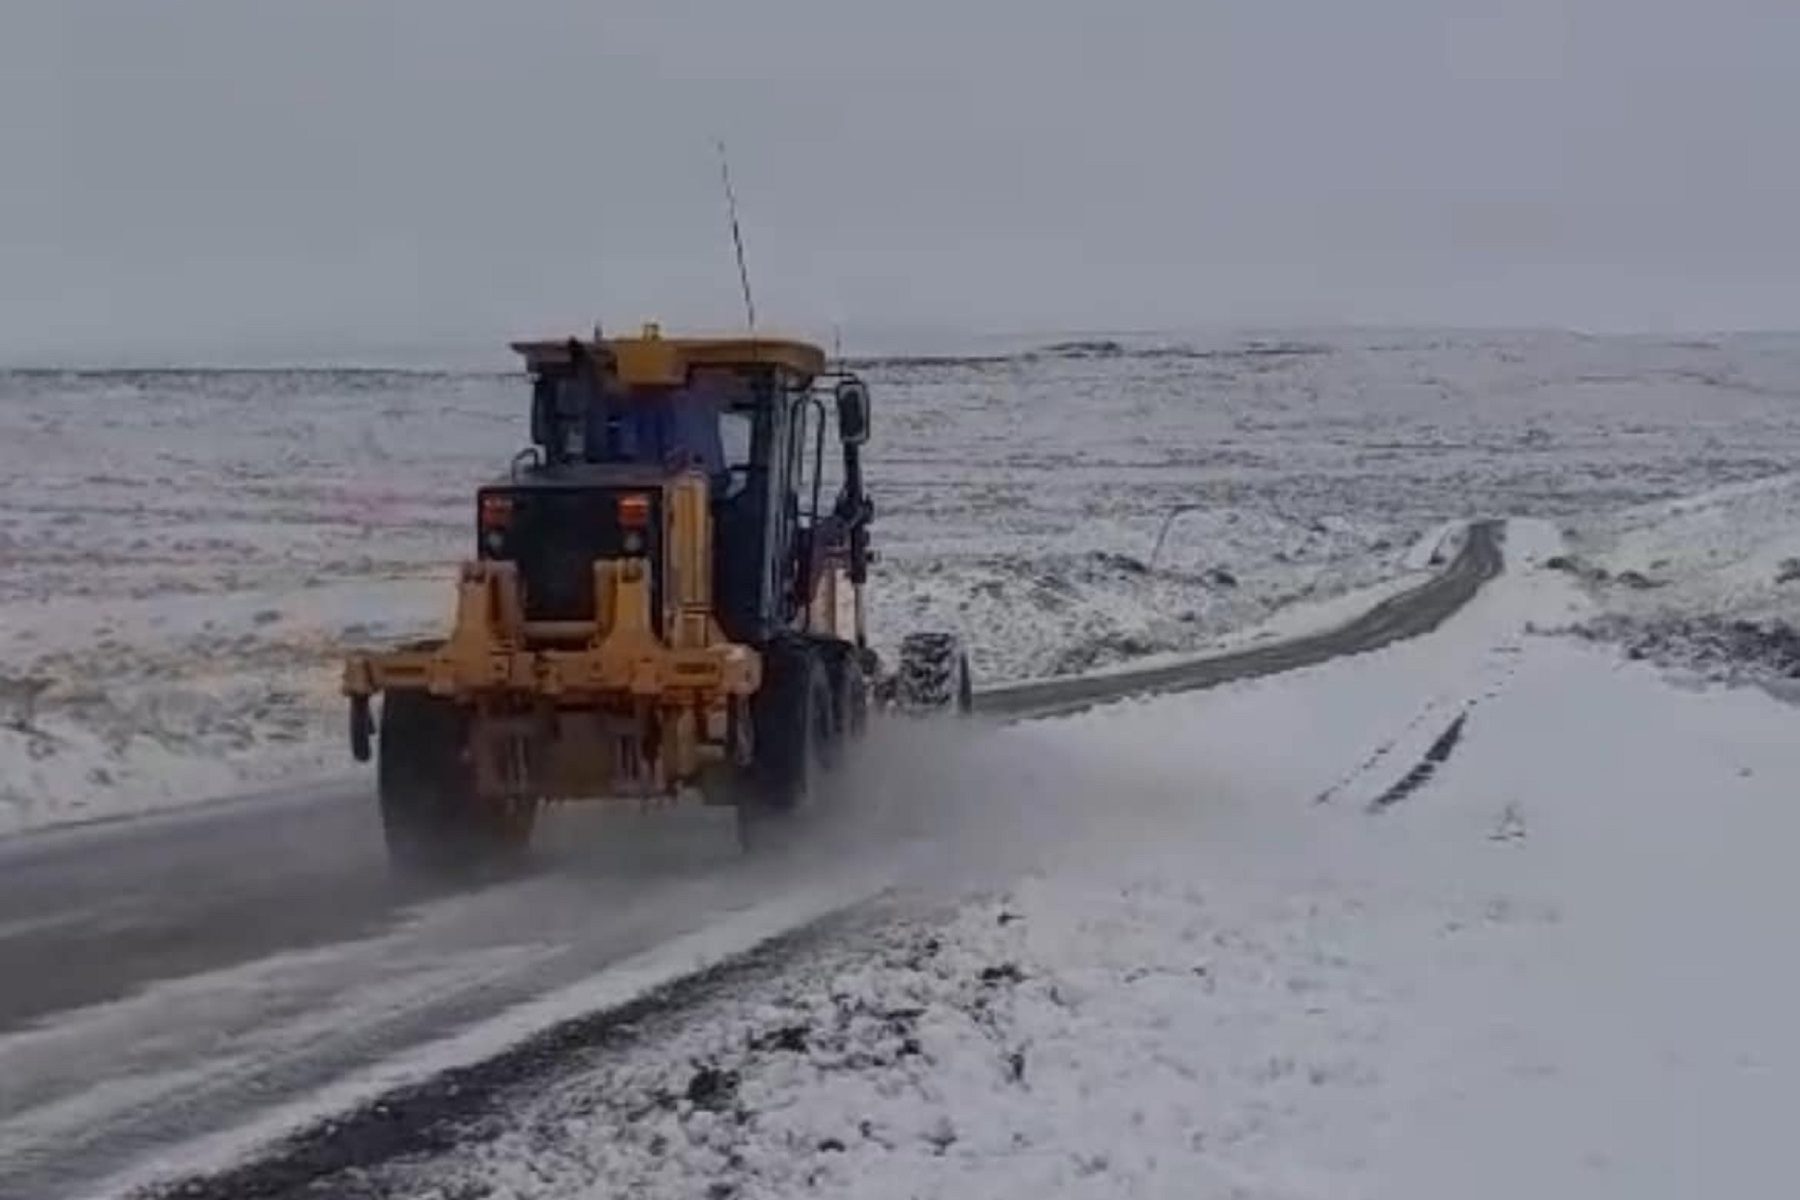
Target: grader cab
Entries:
(660, 602)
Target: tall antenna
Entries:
(737, 236)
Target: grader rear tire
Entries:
(795, 723)
(437, 827)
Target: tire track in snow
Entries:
(1436, 753)
(1377, 756)
(1435, 756)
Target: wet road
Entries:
(164, 984)
(161, 979)
(114, 905)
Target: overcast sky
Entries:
(243, 178)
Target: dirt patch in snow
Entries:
(1733, 651)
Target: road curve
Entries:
(1409, 614)
(160, 979)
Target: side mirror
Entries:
(853, 412)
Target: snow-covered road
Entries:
(1186, 946)
(176, 1014)
(1558, 967)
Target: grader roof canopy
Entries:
(651, 360)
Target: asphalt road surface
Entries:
(1409, 614)
(162, 979)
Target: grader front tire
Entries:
(797, 731)
(436, 826)
(933, 675)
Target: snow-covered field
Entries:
(1232, 964)
(185, 553)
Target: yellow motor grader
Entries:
(658, 604)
